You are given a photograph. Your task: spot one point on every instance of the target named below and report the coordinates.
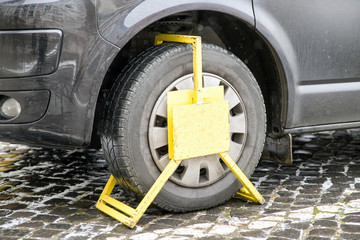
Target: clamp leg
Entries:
(128, 215)
(248, 191)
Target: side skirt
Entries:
(319, 128)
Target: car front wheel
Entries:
(134, 136)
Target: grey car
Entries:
(85, 73)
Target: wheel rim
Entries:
(201, 171)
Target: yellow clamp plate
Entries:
(215, 121)
(201, 129)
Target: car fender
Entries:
(283, 51)
(120, 20)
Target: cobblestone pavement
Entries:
(51, 194)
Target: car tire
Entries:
(134, 126)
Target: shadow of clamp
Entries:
(198, 125)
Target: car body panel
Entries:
(74, 87)
(120, 20)
(318, 45)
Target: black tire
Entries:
(130, 105)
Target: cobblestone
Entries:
(51, 194)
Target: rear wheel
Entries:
(135, 131)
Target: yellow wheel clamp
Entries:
(198, 125)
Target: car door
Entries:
(318, 44)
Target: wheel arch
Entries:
(119, 23)
(259, 56)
